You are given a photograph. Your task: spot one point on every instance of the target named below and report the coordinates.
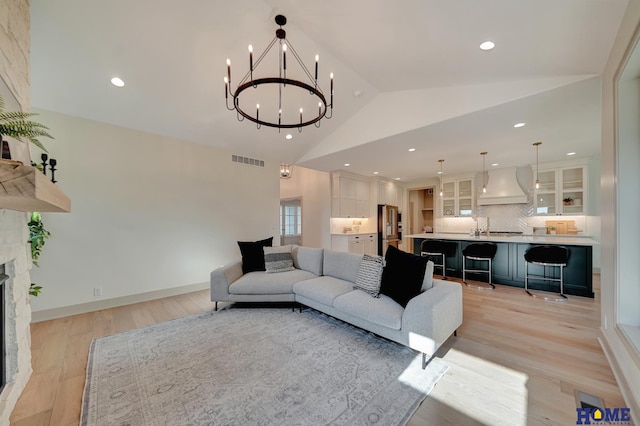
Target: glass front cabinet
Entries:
(457, 198)
(563, 191)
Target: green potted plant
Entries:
(568, 201)
(37, 237)
(18, 125)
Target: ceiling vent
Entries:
(502, 188)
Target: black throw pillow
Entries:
(402, 275)
(253, 255)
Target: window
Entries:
(628, 204)
(291, 221)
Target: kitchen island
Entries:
(508, 266)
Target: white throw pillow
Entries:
(278, 259)
(427, 283)
(369, 275)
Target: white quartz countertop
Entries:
(353, 233)
(571, 240)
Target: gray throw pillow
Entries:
(370, 274)
(427, 283)
(278, 259)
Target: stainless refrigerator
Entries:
(387, 228)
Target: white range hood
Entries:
(502, 188)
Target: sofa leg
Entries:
(455, 332)
(426, 361)
(216, 307)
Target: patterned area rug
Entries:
(253, 367)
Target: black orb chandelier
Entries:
(287, 117)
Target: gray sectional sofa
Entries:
(324, 280)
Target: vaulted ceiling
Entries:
(408, 74)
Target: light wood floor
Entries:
(516, 360)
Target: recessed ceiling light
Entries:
(117, 81)
(347, 164)
(376, 173)
(494, 164)
(439, 172)
(487, 45)
(519, 125)
(357, 93)
(397, 178)
(412, 149)
(571, 153)
(289, 136)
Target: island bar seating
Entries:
(435, 248)
(555, 256)
(478, 251)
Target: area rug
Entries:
(253, 367)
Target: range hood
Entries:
(502, 188)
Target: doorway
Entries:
(421, 210)
(291, 221)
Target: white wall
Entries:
(624, 359)
(315, 190)
(148, 212)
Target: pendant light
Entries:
(537, 144)
(286, 170)
(440, 173)
(484, 183)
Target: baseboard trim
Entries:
(622, 382)
(83, 308)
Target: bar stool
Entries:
(478, 251)
(437, 248)
(555, 256)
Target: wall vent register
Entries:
(246, 160)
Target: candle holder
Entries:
(44, 158)
(53, 169)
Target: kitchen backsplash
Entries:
(356, 226)
(506, 217)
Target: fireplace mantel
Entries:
(26, 189)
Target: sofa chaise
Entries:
(324, 280)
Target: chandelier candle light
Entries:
(282, 117)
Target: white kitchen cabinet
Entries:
(349, 196)
(357, 243)
(457, 198)
(563, 191)
(371, 244)
(390, 193)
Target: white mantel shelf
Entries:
(26, 189)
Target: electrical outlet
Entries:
(97, 291)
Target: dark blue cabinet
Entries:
(508, 267)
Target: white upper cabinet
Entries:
(349, 196)
(457, 197)
(390, 193)
(563, 191)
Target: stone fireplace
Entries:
(15, 256)
(15, 253)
